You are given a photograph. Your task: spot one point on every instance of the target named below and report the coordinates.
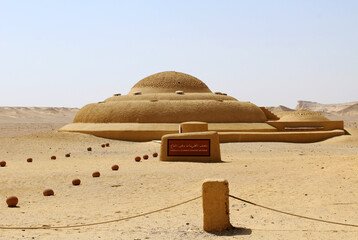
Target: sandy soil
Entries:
(317, 180)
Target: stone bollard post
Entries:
(215, 195)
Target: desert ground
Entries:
(317, 180)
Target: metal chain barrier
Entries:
(173, 206)
(294, 215)
(103, 222)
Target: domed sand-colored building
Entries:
(157, 104)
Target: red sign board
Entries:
(189, 147)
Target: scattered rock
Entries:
(29, 160)
(137, 159)
(145, 157)
(89, 149)
(116, 185)
(103, 145)
(107, 144)
(68, 155)
(2, 164)
(12, 201)
(155, 154)
(48, 192)
(53, 157)
(76, 182)
(115, 167)
(97, 174)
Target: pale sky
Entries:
(71, 53)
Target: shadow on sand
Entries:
(235, 231)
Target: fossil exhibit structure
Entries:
(159, 103)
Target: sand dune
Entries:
(349, 111)
(37, 114)
(279, 108)
(328, 108)
(15, 121)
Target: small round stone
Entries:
(137, 159)
(115, 167)
(103, 145)
(29, 160)
(107, 144)
(2, 164)
(89, 149)
(145, 157)
(96, 174)
(48, 192)
(68, 155)
(76, 182)
(155, 154)
(53, 158)
(12, 201)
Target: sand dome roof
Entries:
(170, 97)
(169, 82)
(301, 115)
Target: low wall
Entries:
(241, 127)
(292, 137)
(136, 136)
(231, 132)
(123, 131)
(307, 125)
(154, 131)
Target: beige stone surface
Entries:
(193, 127)
(301, 115)
(216, 213)
(307, 125)
(169, 111)
(170, 97)
(170, 81)
(154, 131)
(291, 137)
(229, 132)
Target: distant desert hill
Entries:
(341, 108)
(37, 114)
(348, 112)
(279, 108)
